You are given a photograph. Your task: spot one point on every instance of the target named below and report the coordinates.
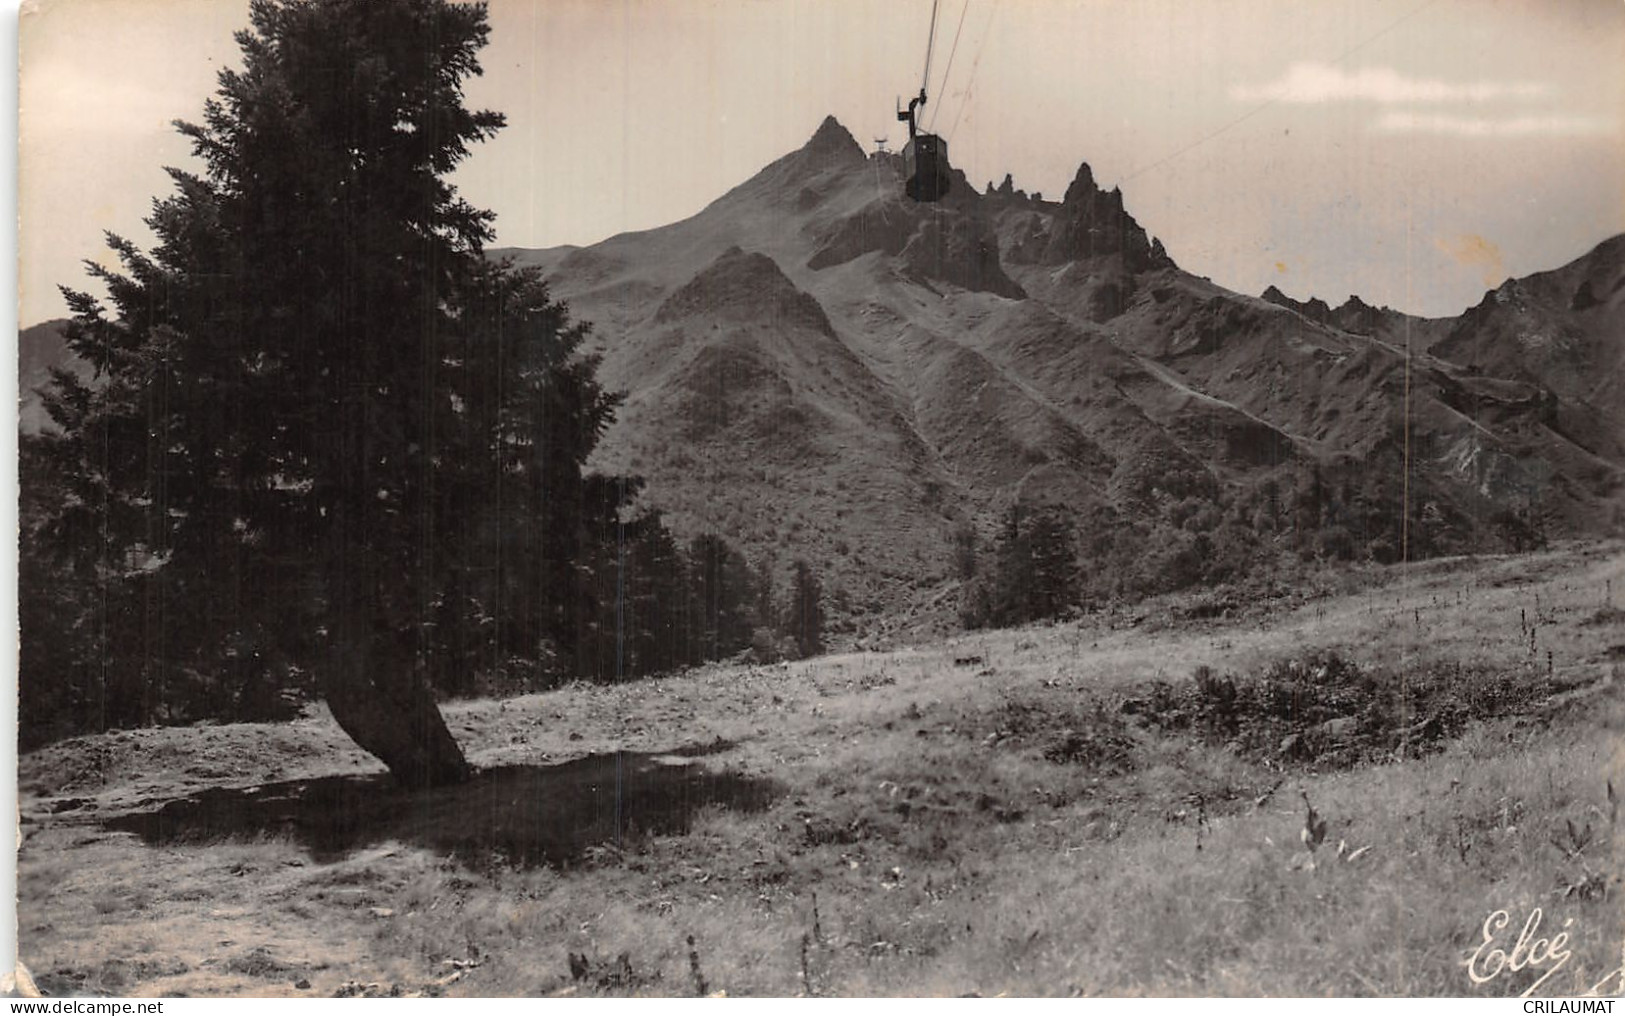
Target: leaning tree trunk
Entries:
(375, 681)
(380, 697)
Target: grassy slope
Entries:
(917, 839)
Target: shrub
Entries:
(1325, 708)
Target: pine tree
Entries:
(1036, 567)
(657, 598)
(1054, 587)
(766, 602)
(722, 597)
(323, 428)
(806, 613)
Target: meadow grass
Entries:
(980, 815)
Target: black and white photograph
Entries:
(820, 498)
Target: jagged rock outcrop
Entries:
(1093, 223)
(1354, 315)
(1359, 317)
(1314, 308)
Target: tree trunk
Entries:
(376, 683)
(381, 698)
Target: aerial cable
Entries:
(930, 42)
(946, 71)
(1273, 100)
(964, 99)
(925, 157)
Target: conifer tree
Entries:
(806, 613)
(322, 428)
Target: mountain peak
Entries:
(794, 177)
(831, 139)
(1083, 186)
(1314, 308)
(1007, 189)
(1092, 223)
(744, 285)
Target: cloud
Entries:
(1550, 125)
(1313, 83)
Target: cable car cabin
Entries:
(925, 158)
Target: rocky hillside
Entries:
(817, 365)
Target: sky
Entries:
(1414, 152)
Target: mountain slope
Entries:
(752, 420)
(905, 371)
(1561, 332)
(40, 349)
(816, 366)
